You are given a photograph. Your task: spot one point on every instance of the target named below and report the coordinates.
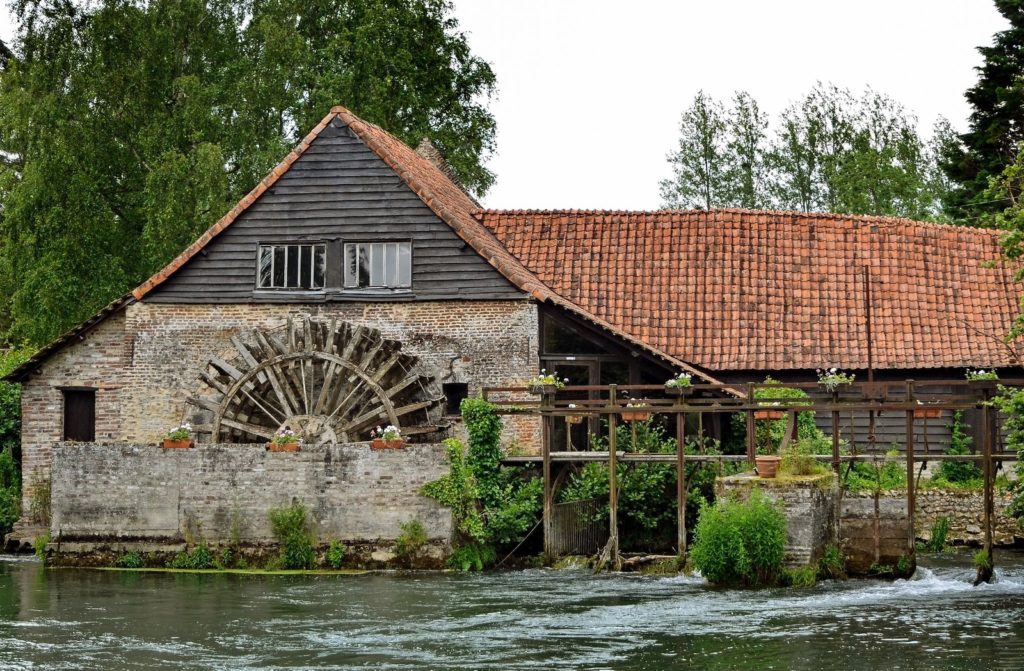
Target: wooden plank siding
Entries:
(337, 191)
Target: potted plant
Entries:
(635, 415)
(926, 412)
(681, 385)
(833, 378)
(545, 383)
(388, 438)
(573, 419)
(767, 465)
(179, 438)
(981, 378)
(285, 440)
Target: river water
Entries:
(535, 619)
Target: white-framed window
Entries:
(378, 265)
(291, 266)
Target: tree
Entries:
(746, 149)
(154, 117)
(996, 121)
(698, 166)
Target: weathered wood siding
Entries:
(338, 191)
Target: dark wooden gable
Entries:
(337, 191)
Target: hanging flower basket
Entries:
(541, 389)
(282, 447)
(678, 392)
(574, 419)
(767, 465)
(769, 414)
(182, 444)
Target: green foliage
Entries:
(472, 557)
(335, 555)
(10, 398)
(199, 558)
(982, 560)
(997, 116)
(647, 502)
(39, 544)
(130, 560)
(798, 459)
(740, 543)
(10, 491)
(940, 531)
(960, 443)
(155, 117)
(769, 434)
(410, 543)
(832, 565)
(801, 576)
(292, 529)
(830, 151)
(868, 477)
(1011, 403)
(491, 504)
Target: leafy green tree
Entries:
(154, 117)
(996, 121)
(746, 150)
(698, 165)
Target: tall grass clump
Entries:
(292, 529)
(740, 543)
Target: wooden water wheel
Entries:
(328, 381)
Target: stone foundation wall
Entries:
(218, 493)
(808, 503)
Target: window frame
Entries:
(272, 246)
(396, 272)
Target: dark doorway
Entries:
(80, 415)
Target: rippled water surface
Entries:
(539, 619)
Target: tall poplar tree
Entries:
(698, 165)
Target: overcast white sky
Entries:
(590, 91)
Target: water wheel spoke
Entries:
(226, 368)
(247, 427)
(247, 357)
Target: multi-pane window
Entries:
(385, 265)
(292, 266)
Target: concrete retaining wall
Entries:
(217, 493)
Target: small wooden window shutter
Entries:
(80, 415)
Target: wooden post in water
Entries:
(989, 421)
(911, 536)
(613, 479)
(547, 402)
(835, 433)
(681, 482)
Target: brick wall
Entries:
(141, 492)
(144, 362)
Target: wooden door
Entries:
(80, 415)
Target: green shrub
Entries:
(10, 399)
(802, 576)
(959, 472)
(10, 491)
(740, 542)
(39, 544)
(291, 528)
(199, 558)
(410, 543)
(130, 560)
(335, 555)
(768, 434)
(832, 565)
(472, 557)
(982, 560)
(940, 530)
(868, 477)
(226, 560)
(798, 459)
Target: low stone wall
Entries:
(964, 510)
(808, 503)
(860, 524)
(220, 493)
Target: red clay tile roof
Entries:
(735, 289)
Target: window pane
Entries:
(292, 275)
(280, 260)
(405, 264)
(266, 267)
(377, 264)
(391, 264)
(319, 265)
(306, 266)
(351, 267)
(364, 265)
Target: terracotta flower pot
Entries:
(922, 413)
(381, 444)
(543, 388)
(574, 419)
(769, 414)
(635, 415)
(767, 465)
(182, 444)
(282, 447)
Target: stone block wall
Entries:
(808, 504)
(964, 511)
(216, 492)
(860, 523)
